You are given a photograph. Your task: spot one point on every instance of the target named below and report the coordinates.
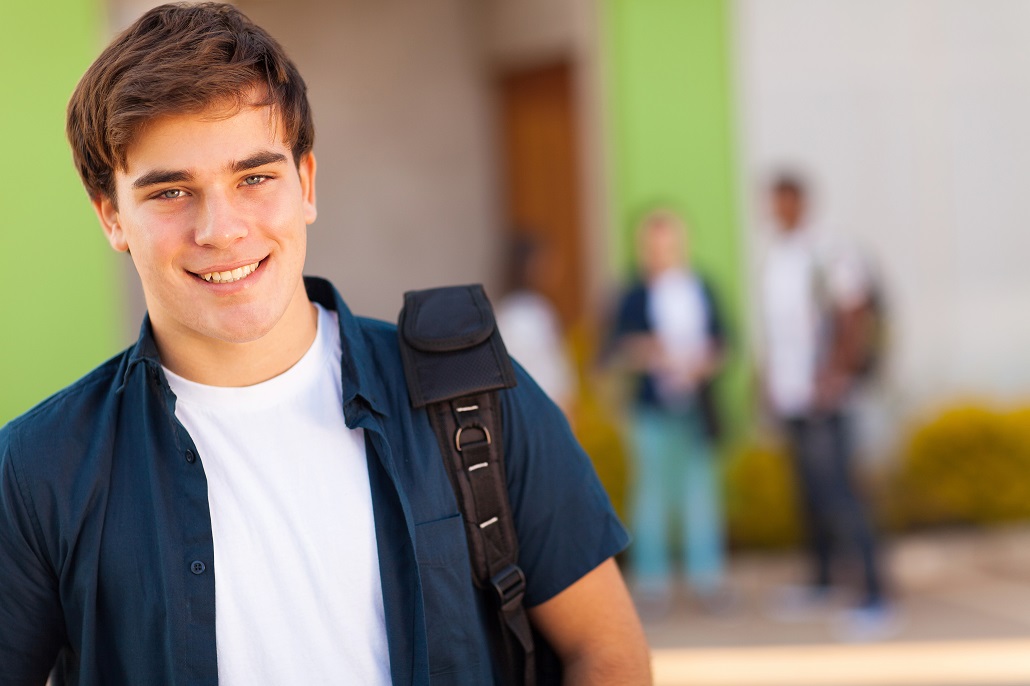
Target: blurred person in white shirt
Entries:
(818, 308)
(531, 328)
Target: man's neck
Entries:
(791, 228)
(219, 363)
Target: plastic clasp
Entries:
(510, 586)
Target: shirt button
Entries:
(197, 567)
(190, 457)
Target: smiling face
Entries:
(214, 212)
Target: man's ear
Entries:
(306, 169)
(107, 213)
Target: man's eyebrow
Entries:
(157, 176)
(258, 159)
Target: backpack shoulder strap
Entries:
(454, 364)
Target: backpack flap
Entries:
(453, 346)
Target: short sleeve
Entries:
(31, 624)
(565, 521)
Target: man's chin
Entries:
(239, 330)
(241, 335)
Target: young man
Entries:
(818, 321)
(245, 495)
(669, 333)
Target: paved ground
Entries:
(963, 602)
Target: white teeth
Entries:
(229, 276)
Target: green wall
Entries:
(671, 114)
(59, 282)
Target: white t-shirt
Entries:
(791, 312)
(804, 274)
(298, 598)
(679, 319)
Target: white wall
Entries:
(911, 117)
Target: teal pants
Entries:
(676, 481)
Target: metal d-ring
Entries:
(457, 436)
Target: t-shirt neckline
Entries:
(272, 392)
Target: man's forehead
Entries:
(220, 134)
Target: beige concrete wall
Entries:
(528, 31)
(406, 178)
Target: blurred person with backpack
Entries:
(822, 317)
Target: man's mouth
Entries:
(231, 275)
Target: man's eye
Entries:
(255, 179)
(171, 194)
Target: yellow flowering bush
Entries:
(761, 501)
(969, 464)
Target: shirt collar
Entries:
(145, 351)
(358, 377)
(358, 374)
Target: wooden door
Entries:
(539, 146)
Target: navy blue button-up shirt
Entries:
(107, 571)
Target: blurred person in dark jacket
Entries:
(668, 333)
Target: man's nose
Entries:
(221, 223)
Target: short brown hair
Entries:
(179, 58)
(788, 183)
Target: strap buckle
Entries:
(510, 585)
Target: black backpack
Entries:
(455, 364)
